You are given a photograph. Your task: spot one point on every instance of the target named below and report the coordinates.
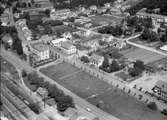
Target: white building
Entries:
(96, 60)
(58, 42)
(68, 48)
(164, 47)
(61, 14)
(41, 51)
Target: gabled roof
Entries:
(162, 85)
(66, 45)
(96, 56)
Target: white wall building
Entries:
(68, 48)
(57, 42)
(41, 50)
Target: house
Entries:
(96, 60)
(4, 18)
(70, 112)
(41, 51)
(160, 89)
(155, 17)
(67, 35)
(21, 22)
(50, 102)
(42, 92)
(107, 5)
(57, 42)
(68, 48)
(7, 39)
(61, 14)
(93, 8)
(164, 47)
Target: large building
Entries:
(68, 48)
(61, 14)
(155, 17)
(160, 89)
(41, 51)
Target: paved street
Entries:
(81, 103)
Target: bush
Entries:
(34, 107)
(152, 106)
(24, 73)
(85, 59)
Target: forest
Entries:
(150, 5)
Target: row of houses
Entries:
(157, 18)
(27, 32)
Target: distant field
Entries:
(116, 102)
(104, 19)
(141, 54)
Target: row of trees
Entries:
(107, 67)
(63, 101)
(151, 36)
(75, 3)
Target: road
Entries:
(81, 103)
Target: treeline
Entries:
(150, 4)
(60, 4)
(62, 100)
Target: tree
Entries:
(146, 34)
(114, 66)
(163, 38)
(19, 48)
(85, 59)
(139, 64)
(1, 9)
(24, 73)
(34, 107)
(105, 63)
(47, 12)
(64, 102)
(134, 71)
(152, 106)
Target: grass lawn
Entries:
(116, 102)
(98, 19)
(141, 54)
(7, 67)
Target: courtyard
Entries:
(97, 91)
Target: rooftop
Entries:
(40, 47)
(163, 85)
(66, 45)
(96, 56)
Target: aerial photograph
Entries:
(83, 59)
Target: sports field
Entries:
(99, 19)
(141, 54)
(115, 101)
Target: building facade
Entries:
(160, 89)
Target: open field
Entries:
(7, 67)
(104, 19)
(115, 101)
(141, 54)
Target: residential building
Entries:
(61, 14)
(160, 89)
(68, 48)
(58, 42)
(67, 35)
(164, 47)
(4, 18)
(7, 39)
(155, 17)
(107, 5)
(93, 8)
(41, 51)
(42, 92)
(96, 60)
